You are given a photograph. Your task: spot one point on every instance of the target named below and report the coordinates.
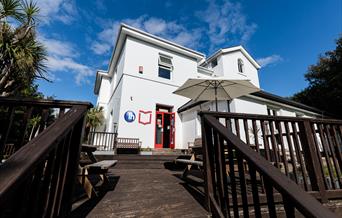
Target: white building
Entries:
(144, 70)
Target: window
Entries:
(165, 66)
(214, 63)
(240, 66)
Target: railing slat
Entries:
(299, 155)
(293, 160)
(282, 146)
(337, 150)
(233, 181)
(270, 198)
(265, 140)
(332, 149)
(326, 153)
(242, 179)
(274, 145)
(255, 191)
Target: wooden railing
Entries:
(254, 186)
(104, 141)
(108, 141)
(38, 179)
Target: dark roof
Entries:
(277, 98)
(261, 94)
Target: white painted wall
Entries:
(139, 53)
(230, 70)
(103, 97)
(145, 91)
(249, 106)
(115, 90)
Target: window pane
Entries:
(164, 73)
(165, 60)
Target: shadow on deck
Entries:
(145, 186)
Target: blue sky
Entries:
(285, 37)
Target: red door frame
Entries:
(172, 130)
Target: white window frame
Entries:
(165, 65)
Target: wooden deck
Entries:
(143, 187)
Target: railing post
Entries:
(115, 142)
(312, 162)
(208, 185)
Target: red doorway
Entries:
(165, 129)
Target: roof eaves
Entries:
(232, 49)
(125, 30)
(98, 79)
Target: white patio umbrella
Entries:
(218, 88)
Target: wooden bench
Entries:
(128, 145)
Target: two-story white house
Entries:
(144, 70)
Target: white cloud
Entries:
(62, 58)
(59, 64)
(100, 48)
(61, 10)
(59, 48)
(222, 24)
(170, 30)
(270, 60)
(226, 24)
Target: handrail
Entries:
(41, 102)
(45, 168)
(299, 199)
(267, 117)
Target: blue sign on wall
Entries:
(129, 116)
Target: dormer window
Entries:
(240, 66)
(165, 66)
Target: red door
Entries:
(165, 130)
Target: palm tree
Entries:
(94, 119)
(21, 55)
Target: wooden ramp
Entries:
(145, 188)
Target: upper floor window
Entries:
(214, 63)
(240, 66)
(165, 66)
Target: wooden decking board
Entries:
(147, 190)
